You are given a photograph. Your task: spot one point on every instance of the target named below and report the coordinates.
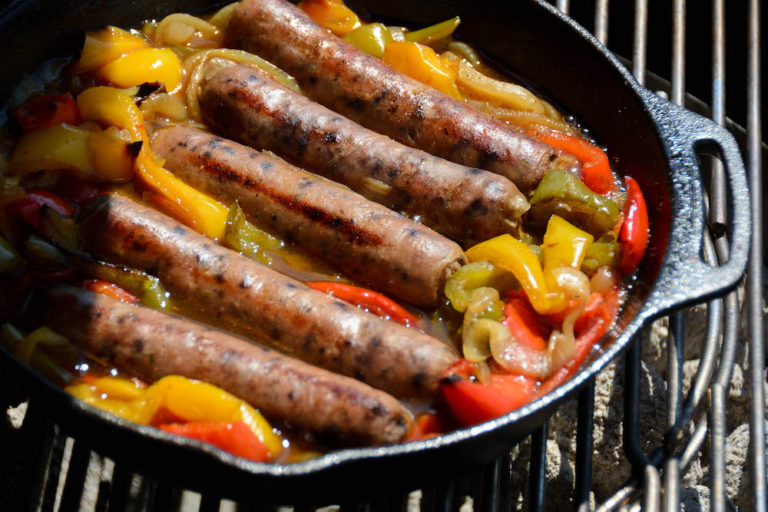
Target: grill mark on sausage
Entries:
(345, 226)
(329, 407)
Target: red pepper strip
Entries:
(594, 328)
(472, 403)
(595, 169)
(634, 232)
(426, 426)
(374, 302)
(524, 323)
(77, 191)
(110, 290)
(28, 207)
(236, 438)
(46, 111)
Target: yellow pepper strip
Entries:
(142, 66)
(110, 106)
(508, 253)
(176, 397)
(434, 32)
(105, 45)
(331, 14)
(95, 153)
(564, 245)
(423, 64)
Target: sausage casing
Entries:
(463, 203)
(365, 240)
(365, 89)
(330, 407)
(260, 303)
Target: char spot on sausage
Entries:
(215, 143)
(331, 138)
(412, 232)
(341, 305)
(473, 171)
(379, 410)
(266, 166)
(219, 277)
(375, 342)
(379, 97)
(392, 173)
(179, 231)
(312, 80)
(232, 95)
(290, 395)
(182, 144)
(275, 333)
(290, 286)
(207, 154)
(477, 208)
(418, 380)
(252, 78)
(356, 104)
(138, 345)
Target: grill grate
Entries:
(58, 473)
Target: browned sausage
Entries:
(363, 88)
(152, 344)
(260, 303)
(463, 203)
(365, 240)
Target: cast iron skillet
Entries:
(648, 138)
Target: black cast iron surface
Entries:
(649, 138)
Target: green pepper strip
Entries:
(434, 32)
(242, 236)
(371, 38)
(581, 206)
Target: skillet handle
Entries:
(685, 277)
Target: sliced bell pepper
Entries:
(590, 327)
(461, 284)
(472, 402)
(372, 38)
(434, 32)
(427, 426)
(561, 193)
(142, 66)
(507, 252)
(110, 290)
(634, 232)
(105, 45)
(423, 64)
(523, 322)
(595, 169)
(102, 155)
(374, 302)
(111, 106)
(564, 244)
(46, 111)
(235, 438)
(28, 207)
(331, 14)
(175, 399)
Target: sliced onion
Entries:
(517, 357)
(604, 279)
(177, 29)
(165, 105)
(222, 16)
(530, 121)
(197, 70)
(476, 85)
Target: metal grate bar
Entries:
(584, 442)
(601, 20)
(755, 276)
(537, 472)
(640, 41)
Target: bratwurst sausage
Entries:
(365, 240)
(330, 407)
(254, 300)
(463, 203)
(363, 88)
